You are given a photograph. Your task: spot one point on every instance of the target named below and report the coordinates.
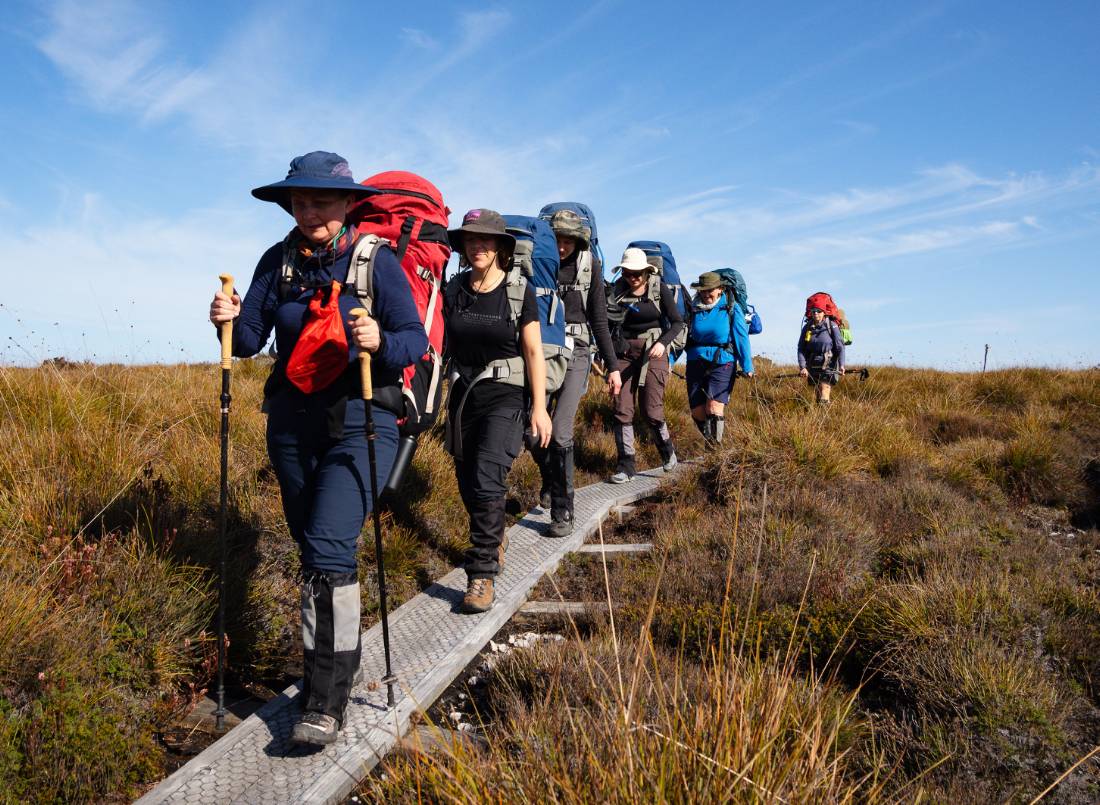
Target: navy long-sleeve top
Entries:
(403, 337)
(820, 346)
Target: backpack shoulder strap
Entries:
(582, 281)
(287, 272)
(516, 289)
(653, 290)
(360, 279)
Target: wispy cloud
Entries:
(418, 38)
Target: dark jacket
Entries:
(592, 310)
(640, 314)
(820, 346)
(403, 337)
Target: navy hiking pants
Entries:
(325, 481)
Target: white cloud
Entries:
(418, 38)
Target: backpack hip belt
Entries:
(502, 370)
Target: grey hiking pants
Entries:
(568, 397)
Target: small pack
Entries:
(659, 255)
(824, 301)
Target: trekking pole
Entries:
(368, 405)
(223, 505)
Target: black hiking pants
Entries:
(492, 438)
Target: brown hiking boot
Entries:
(479, 596)
(500, 552)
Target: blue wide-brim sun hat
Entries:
(317, 170)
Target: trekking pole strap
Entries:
(227, 328)
(364, 361)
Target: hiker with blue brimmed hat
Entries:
(304, 289)
(717, 344)
(641, 330)
(493, 345)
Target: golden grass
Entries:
(908, 608)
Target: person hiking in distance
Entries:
(316, 417)
(581, 288)
(497, 369)
(820, 353)
(717, 343)
(642, 331)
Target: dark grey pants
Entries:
(568, 397)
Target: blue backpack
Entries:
(536, 262)
(585, 212)
(735, 285)
(660, 257)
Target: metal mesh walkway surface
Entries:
(431, 644)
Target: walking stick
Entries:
(368, 405)
(227, 369)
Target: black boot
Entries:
(561, 492)
(663, 440)
(544, 460)
(332, 649)
(624, 441)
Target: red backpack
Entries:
(824, 301)
(409, 212)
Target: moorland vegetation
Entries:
(894, 598)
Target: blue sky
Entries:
(935, 166)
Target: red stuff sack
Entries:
(321, 354)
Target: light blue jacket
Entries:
(717, 337)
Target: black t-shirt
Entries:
(479, 329)
(642, 315)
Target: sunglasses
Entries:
(630, 275)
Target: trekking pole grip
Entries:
(364, 361)
(227, 328)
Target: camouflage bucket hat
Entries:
(567, 223)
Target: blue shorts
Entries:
(708, 381)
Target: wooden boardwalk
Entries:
(431, 645)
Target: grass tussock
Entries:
(891, 599)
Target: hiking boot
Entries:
(479, 596)
(544, 500)
(624, 471)
(500, 551)
(315, 729)
(561, 528)
(664, 447)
